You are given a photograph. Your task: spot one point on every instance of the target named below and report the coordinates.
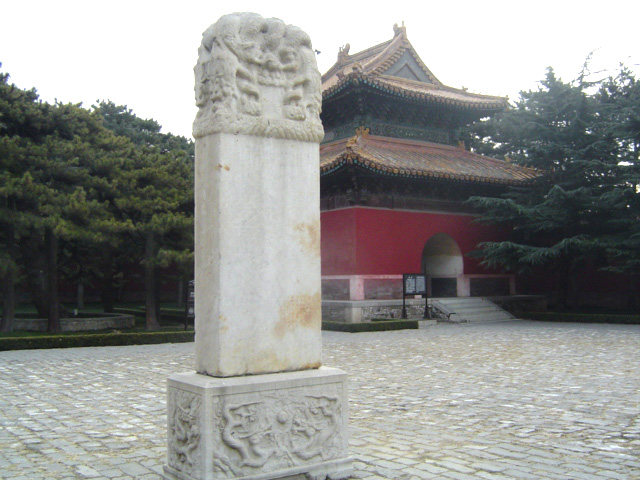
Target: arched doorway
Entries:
(442, 262)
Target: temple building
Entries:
(394, 179)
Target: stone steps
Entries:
(470, 310)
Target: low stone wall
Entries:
(362, 287)
(367, 310)
(103, 321)
(358, 311)
(335, 289)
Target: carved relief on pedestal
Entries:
(276, 430)
(184, 431)
(257, 76)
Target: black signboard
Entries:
(414, 284)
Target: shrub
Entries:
(378, 326)
(94, 340)
(582, 317)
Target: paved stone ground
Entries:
(513, 400)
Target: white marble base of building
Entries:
(258, 427)
(348, 311)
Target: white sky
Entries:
(141, 53)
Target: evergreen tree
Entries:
(73, 193)
(156, 197)
(560, 220)
(620, 97)
(57, 181)
(43, 190)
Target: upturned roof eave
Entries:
(373, 165)
(481, 102)
(377, 59)
(351, 59)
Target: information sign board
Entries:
(415, 284)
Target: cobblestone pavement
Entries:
(513, 400)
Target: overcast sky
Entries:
(141, 53)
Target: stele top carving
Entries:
(257, 76)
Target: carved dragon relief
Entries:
(280, 429)
(257, 76)
(184, 431)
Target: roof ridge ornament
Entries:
(356, 141)
(362, 132)
(399, 30)
(343, 53)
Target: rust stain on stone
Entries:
(309, 234)
(266, 362)
(311, 366)
(298, 311)
(225, 167)
(223, 323)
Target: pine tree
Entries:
(560, 220)
(620, 97)
(156, 196)
(73, 193)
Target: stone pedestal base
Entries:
(274, 426)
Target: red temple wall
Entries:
(338, 242)
(367, 241)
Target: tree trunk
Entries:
(35, 262)
(632, 289)
(51, 248)
(150, 282)
(565, 269)
(8, 302)
(158, 286)
(8, 284)
(108, 291)
(181, 295)
(80, 302)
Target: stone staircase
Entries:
(469, 310)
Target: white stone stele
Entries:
(258, 299)
(287, 425)
(260, 406)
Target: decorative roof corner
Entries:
(356, 142)
(399, 30)
(343, 54)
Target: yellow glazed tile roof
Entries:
(412, 158)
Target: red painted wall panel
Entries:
(391, 241)
(338, 242)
